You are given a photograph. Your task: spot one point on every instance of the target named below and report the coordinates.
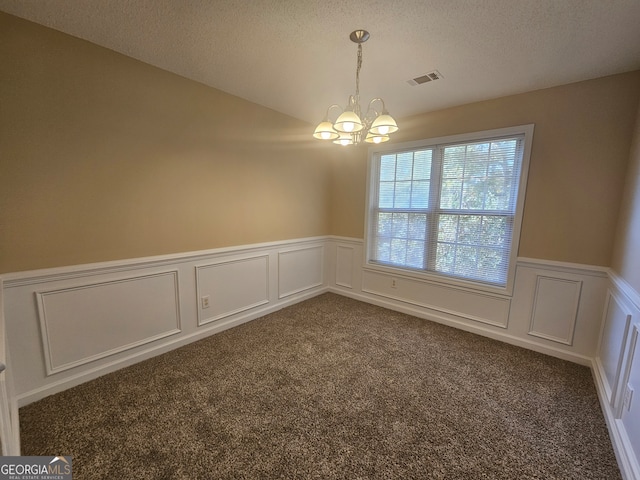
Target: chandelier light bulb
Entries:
(383, 125)
(325, 131)
(344, 139)
(371, 138)
(348, 122)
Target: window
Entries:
(449, 207)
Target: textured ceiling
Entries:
(295, 56)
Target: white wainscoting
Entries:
(72, 324)
(117, 319)
(616, 325)
(9, 415)
(630, 415)
(231, 287)
(300, 269)
(616, 368)
(457, 302)
(345, 262)
(144, 307)
(555, 308)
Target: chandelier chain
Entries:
(358, 73)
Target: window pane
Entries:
(420, 194)
(466, 258)
(469, 229)
(485, 170)
(404, 168)
(388, 168)
(499, 169)
(398, 251)
(495, 231)
(445, 258)
(417, 226)
(499, 193)
(415, 254)
(447, 228)
(452, 166)
(474, 246)
(402, 197)
(384, 224)
(385, 199)
(383, 249)
(477, 152)
(503, 151)
(475, 167)
(491, 265)
(473, 194)
(400, 225)
(422, 165)
(451, 194)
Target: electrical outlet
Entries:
(628, 396)
(394, 283)
(205, 301)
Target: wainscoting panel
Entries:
(344, 270)
(616, 371)
(231, 287)
(480, 307)
(555, 308)
(630, 411)
(116, 319)
(300, 269)
(615, 329)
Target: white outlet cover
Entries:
(205, 301)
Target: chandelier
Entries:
(350, 126)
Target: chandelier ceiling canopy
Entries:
(350, 127)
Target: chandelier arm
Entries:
(335, 105)
(372, 112)
(384, 108)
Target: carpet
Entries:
(331, 388)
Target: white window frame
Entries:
(373, 177)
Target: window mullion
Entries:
(431, 238)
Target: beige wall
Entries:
(626, 254)
(104, 157)
(578, 164)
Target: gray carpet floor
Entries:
(331, 388)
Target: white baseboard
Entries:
(627, 461)
(477, 329)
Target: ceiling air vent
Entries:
(427, 77)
